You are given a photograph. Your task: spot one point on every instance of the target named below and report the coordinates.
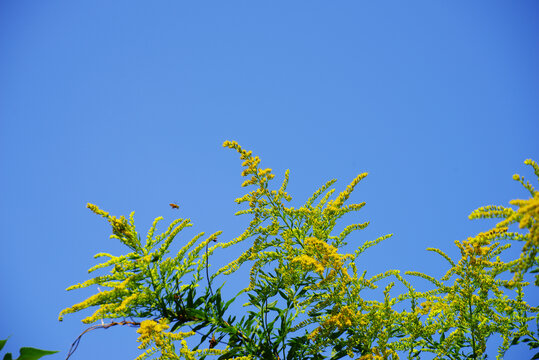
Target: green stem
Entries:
(472, 326)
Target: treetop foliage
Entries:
(306, 296)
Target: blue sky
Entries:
(126, 104)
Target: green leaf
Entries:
(8, 356)
(28, 353)
(176, 325)
(3, 343)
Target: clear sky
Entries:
(125, 104)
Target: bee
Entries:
(213, 342)
(174, 206)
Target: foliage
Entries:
(306, 298)
(26, 353)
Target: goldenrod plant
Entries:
(306, 297)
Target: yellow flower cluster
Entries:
(433, 309)
(97, 210)
(152, 332)
(487, 236)
(121, 228)
(325, 253)
(529, 217)
(129, 300)
(343, 196)
(318, 256)
(102, 297)
(119, 225)
(307, 263)
(383, 354)
(475, 250)
(341, 320)
(258, 176)
(251, 165)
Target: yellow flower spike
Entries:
(343, 196)
(97, 210)
(245, 155)
(231, 144)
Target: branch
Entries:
(75, 344)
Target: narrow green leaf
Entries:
(28, 353)
(3, 343)
(176, 325)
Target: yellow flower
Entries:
(308, 263)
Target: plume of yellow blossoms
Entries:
(527, 217)
(154, 339)
(152, 332)
(251, 165)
